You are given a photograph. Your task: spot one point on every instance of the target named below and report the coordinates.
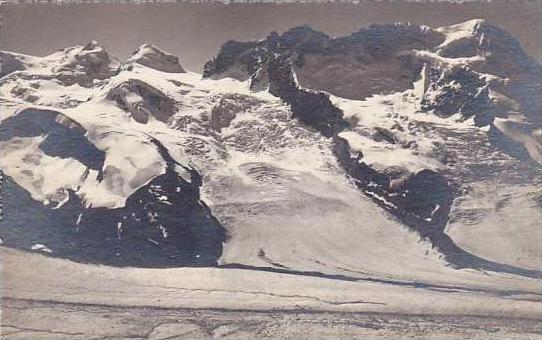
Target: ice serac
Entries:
(151, 56)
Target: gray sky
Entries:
(194, 32)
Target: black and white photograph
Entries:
(271, 170)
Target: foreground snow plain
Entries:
(85, 301)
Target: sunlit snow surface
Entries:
(274, 184)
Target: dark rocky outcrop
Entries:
(312, 108)
(503, 54)
(142, 101)
(512, 75)
(422, 200)
(9, 63)
(460, 90)
(163, 224)
(356, 66)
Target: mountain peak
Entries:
(502, 52)
(92, 45)
(151, 56)
(83, 64)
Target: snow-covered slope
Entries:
(143, 163)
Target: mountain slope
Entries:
(465, 78)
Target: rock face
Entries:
(473, 69)
(142, 101)
(9, 63)
(384, 59)
(357, 66)
(459, 91)
(151, 56)
(310, 107)
(421, 200)
(502, 53)
(162, 224)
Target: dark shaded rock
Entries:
(163, 224)
(311, 108)
(422, 200)
(230, 53)
(317, 111)
(10, 63)
(459, 90)
(364, 63)
(142, 101)
(525, 89)
(384, 134)
(504, 56)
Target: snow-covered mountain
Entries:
(398, 153)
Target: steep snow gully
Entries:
(126, 164)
